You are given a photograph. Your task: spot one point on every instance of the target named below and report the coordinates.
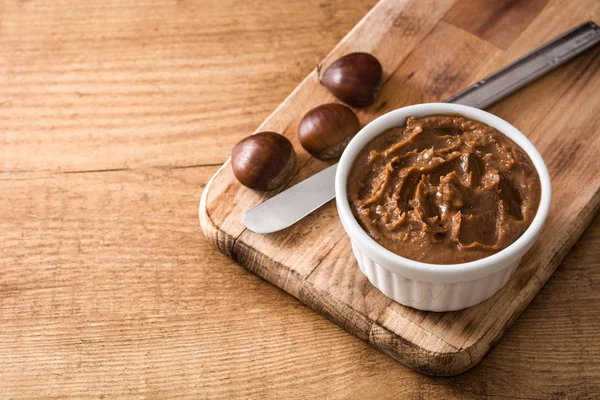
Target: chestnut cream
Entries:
(443, 189)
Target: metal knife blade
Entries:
(293, 204)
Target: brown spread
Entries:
(443, 189)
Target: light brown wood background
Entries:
(113, 115)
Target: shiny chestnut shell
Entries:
(354, 79)
(326, 130)
(263, 161)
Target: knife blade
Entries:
(284, 209)
(293, 204)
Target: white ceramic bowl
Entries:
(436, 287)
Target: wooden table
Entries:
(113, 116)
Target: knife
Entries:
(293, 204)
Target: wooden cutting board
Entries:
(429, 50)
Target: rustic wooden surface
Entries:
(427, 55)
(110, 116)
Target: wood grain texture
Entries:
(499, 22)
(109, 290)
(115, 84)
(313, 261)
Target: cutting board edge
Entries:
(217, 237)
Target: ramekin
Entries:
(436, 287)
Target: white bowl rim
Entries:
(439, 272)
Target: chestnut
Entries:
(355, 79)
(263, 161)
(326, 130)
